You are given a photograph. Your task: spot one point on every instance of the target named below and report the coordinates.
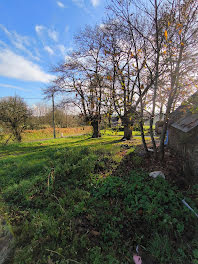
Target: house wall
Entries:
(186, 144)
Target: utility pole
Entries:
(53, 116)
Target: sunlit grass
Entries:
(47, 133)
(57, 193)
(116, 132)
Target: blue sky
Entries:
(34, 36)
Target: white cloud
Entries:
(13, 87)
(102, 26)
(66, 29)
(95, 2)
(79, 3)
(3, 43)
(67, 58)
(49, 50)
(60, 4)
(16, 66)
(39, 29)
(20, 42)
(53, 34)
(62, 49)
(44, 32)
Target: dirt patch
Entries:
(171, 166)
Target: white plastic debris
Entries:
(190, 208)
(137, 249)
(150, 150)
(156, 174)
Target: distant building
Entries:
(115, 122)
(183, 134)
(157, 118)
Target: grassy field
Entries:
(74, 200)
(47, 133)
(29, 135)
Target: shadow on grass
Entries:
(26, 148)
(30, 159)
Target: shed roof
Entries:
(185, 117)
(186, 123)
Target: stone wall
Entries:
(186, 144)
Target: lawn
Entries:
(117, 132)
(47, 133)
(74, 200)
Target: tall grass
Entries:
(47, 133)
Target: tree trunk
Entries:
(19, 138)
(163, 135)
(161, 113)
(96, 130)
(152, 137)
(17, 135)
(127, 132)
(156, 78)
(109, 121)
(143, 137)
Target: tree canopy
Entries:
(14, 114)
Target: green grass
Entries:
(110, 132)
(26, 158)
(47, 133)
(73, 201)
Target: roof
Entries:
(186, 123)
(185, 117)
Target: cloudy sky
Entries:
(34, 36)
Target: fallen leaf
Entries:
(49, 261)
(95, 233)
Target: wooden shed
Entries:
(183, 135)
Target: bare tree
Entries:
(14, 114)
(170, 32)
(180, 55)
(130, 73)
(82, 75)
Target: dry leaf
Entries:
(166, 34)
(179, 25)
(49, 261)
(95, 233)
